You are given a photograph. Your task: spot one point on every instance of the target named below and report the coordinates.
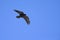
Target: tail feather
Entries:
(17, 16)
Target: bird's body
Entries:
(22, 15)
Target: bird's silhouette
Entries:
(22, 15)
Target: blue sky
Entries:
(44, 16)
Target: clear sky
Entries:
(44, 16)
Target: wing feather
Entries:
(19, 12)
(26, 19)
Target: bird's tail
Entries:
(17, 16)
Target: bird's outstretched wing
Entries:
(26, 19)
(19, 12)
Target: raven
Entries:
(22, 15)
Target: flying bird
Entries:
(22, 15)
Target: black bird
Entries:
(22, 15)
